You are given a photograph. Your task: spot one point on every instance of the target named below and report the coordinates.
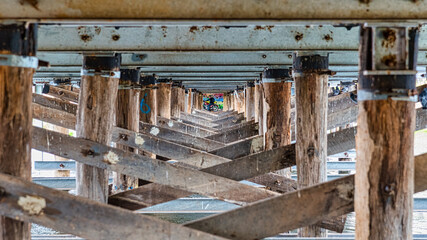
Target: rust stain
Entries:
(389, 38)
(389, 60)
(268, 27)
(115, 37)
(85, 38)
(299, 36)
(206, 28)
(164, 29)
(328, 38)
(33, 3)
(193, 29)
(150, 27)
(97, 30)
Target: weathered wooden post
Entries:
(195, 99)
(239, 100)
(385, 132)
(127, 117)
(311, 87)
(189, 100)
(147, 100)
(250, 101)
(163, 101)
(182, 98)
(176, 99)
(232, 102)
(200, 100)
(225, 103)
(259, 103)
(95, 118)
(17, 64)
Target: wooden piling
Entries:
(385, 134)
(250, 101)
(163, 101)
(15, 114)
(176, 99)
(311, 125)
(127, 117)
(95, 119)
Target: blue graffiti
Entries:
(146, 106)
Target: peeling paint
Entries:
(139, 140)
(34, 205)
(111, 158)
(154, 131)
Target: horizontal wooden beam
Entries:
(204, 125)
(183, 127)
(82, 217)
(55, 103)
(179, 137)
(241, 148)
(293, 210)
(145, 168)
(63, 94)
(235, 134)
(54, 116)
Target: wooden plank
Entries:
(157, 171)
(241, 148)
(53, 116)
(180, 138)
(293, 210)
(207, 126)
(196, 121)
(85, 218)
(95, 120)
(15, 124)
(183, 127)
(233, 135)
(55, 103)
(63, 94)
(153, 144)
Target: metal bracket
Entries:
(102, 73)
(18, 61)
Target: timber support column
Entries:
(95, 118)
(250, 101)
(17, 64)
(231, 100)
(127, 117)
(163, 101)
(200, 100)
(311, 95)
(259, 102)
(176, 99)
(225, 103)
(385, 132)
(239, 100)
(277, 110)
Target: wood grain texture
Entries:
(15, 137)
(385, 169)
(149, 96)
(127, 117)
(176, 99)
(95, 120)
(311, 146)
(83, 217)
(250, 103)
(163, 100)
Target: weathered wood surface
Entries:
(250, 103)
(283, 213)
(280, 214)
(231, 121)
(63, 94)
(241, 148)
(239, 101)
(53, 116)
(235, 126)
(82, 217)
(385, 168)
(55, 103)
(95, 120)
(224, 118)
(179, 137)
(163, 100)
(151, 143)
(183, 127)
(248, 130)
(102, 156)
(149, 97)
(311, 124)
(188, 101)
(15, 136)
(204, 125)
(259, 98)
(196, 121)
(176, 99)
(127, 117)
